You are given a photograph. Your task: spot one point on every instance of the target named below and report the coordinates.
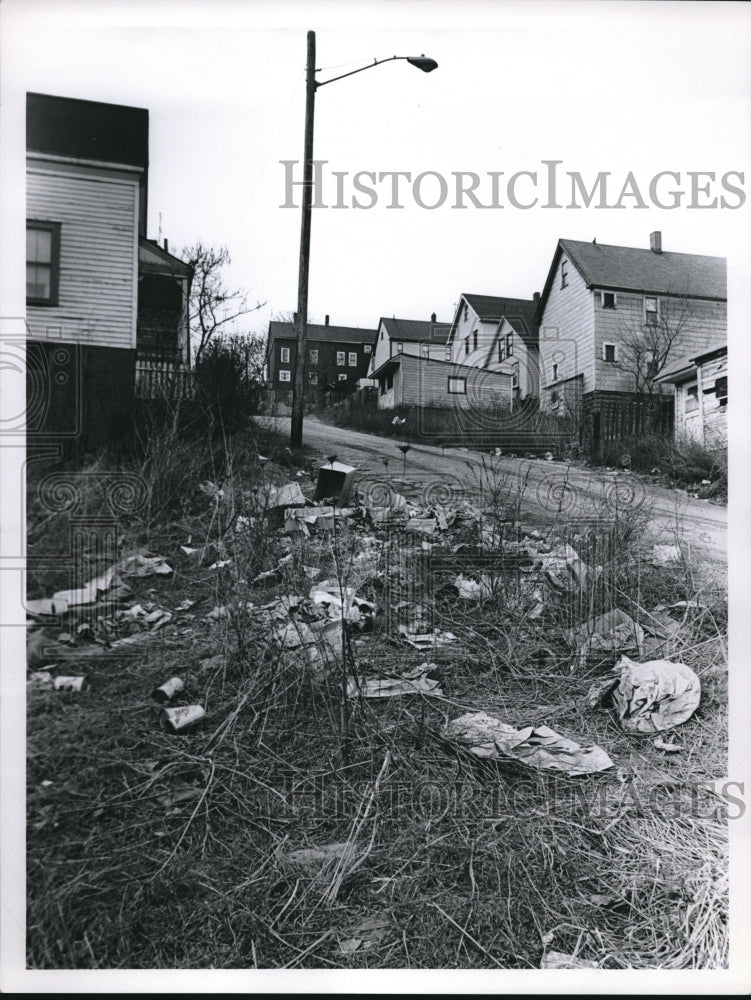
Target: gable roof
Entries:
(685, 369)
(633, 269)
(323, 334)
(492, 308)
(154, 259)
(415, 330)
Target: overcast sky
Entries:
(642, 87)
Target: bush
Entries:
(229, 381)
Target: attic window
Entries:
(466, 312)
(564, 273)
(608, 300)
(474, 340)
(509, 344)
(502, 349)
(555, 374)
(466, 345)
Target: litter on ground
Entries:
(535, 746)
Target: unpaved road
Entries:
(543, 490)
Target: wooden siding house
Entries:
(338, 357)
(498, 334)
(86, 208)
(601, 302)
(701, 396)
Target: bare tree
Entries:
(647, 347)
(211, 305)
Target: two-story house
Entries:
(612, 318)
(412, 366)
(499, 334)
(86, 210)
(337, 358)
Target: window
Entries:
(284, 355)
(515, 376)
(42, 263)
(474, 340)
(509, 344)
(721, 389)
(342, 377)
(313, 378)
(610, 353)
(466, 345)
(366, 348)
(502, 349)
(554, 400)
(466, 312)
(399, 347)
(457, 386)
(608, 300)
(340, 359)
(564, 273)
(692, 398)
(284, 375)
(353, 359)
(555, 372)
(651, 309)
(425, 350)
(448, 353)
(314, 357)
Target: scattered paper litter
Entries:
(613, 632)
(535, 746)
(141, 563)
(415, 681)
(654, 696)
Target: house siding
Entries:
(98, 215)
(567, 332)
(422, 383)
(705, 323)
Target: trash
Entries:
(39, 678)
(422, 525)
(367, 934)
(46, 606)
(168, 690)
(559, 960)
(289, 495)
(336, 482)
(329, 594)
(176, 720)
(269, 573)
(612, 633)
(185, 605)
(426, 640)
(140, 563)
(660, 744)
(473, 590)
(70, 683)
(564, 569)
(219, 613)
(535, 746)
(109, 581)
(655, 696)
(220, 564)
(398, 421)
(548, 456)
(415, 681)
(316, 857)
(664, 555)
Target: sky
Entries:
(616, 87)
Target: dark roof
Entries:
(152, 257)
(492, 307)
(415, 330)
(87, 130)
(634, 269)
(323, 334)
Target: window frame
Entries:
(350, 356)
(341, 359)
(651, 315)
(283, 372)
(605, 358)
(509, 345)
(342, 377)
(564, 272)
(313, 378)
(456, 392)
(284, 355)
(314, 355)
(614, 298)
(53, 228)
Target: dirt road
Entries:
(542, 490)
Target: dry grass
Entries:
(150, 850)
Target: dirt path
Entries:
(542, 489)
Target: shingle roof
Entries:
(492, 307)
(685, 368)
(642, 270)
(323, 334)
(413, 330)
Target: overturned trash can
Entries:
(335, 481)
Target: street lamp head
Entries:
(423, 62)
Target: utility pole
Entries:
(298, 390)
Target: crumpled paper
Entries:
(612, 632)
(535, 746)
(654, 696)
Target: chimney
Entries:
(326, 320)
(655, 241)
(536, 297)
(294, 317)
(432, 317)
(166, 244)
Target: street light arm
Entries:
(422, 62)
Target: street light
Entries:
(298, 389)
